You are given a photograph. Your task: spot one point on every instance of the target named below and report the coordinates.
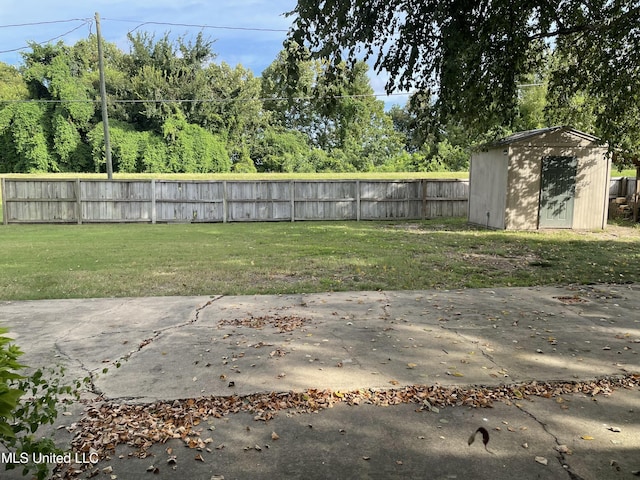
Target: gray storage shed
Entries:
(555, 177)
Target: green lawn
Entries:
(74, 261)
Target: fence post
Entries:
(292, 194)
(154, 213)
(5, 210)
(224, 201)
(358, 213)
(623, 187)
(78, 201)
(423, 186)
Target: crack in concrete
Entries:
(159, 332)
(561, 456)
(475, 342)
(92, 374)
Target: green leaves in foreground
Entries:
(26, 403)
(9, 395)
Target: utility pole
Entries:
(103, 99)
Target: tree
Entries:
(56, 133)
(12, 85)
(334, 107)
(280, 150)
(470, 55)
(163, 71)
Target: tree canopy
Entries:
(172, 108)
(470, 56)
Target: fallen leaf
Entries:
(366, 458)
(542, 460)
(485, 437)
(412, 365)
(563, 449)
(586, 437)
(274, 436)
(199, 458)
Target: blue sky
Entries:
(253, 48)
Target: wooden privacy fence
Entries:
(103, 201)
(622, 187)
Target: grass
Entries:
(83, 261)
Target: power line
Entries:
(84, 22)
(45, 23)
(89, 21)
(193, 25)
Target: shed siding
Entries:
(523, 188)
(487, 188)
(523, 197)
(591, 201)
(517, 192)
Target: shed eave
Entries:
(529, 134)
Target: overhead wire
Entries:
(30, 24)
(89, 21)
(84, 21)
(195, 25)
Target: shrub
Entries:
(28, 402)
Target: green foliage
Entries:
(9, 395)
(183, 147)
(12, 85)
(26, 130)
(334, 108)
(28, 402)
(454, 157)
(469, 57)
(279, 150)
(243, 162)
(191, 148)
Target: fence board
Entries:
(178, 201)
(86, 201)
(622, 187)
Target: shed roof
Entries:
(519, 136)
